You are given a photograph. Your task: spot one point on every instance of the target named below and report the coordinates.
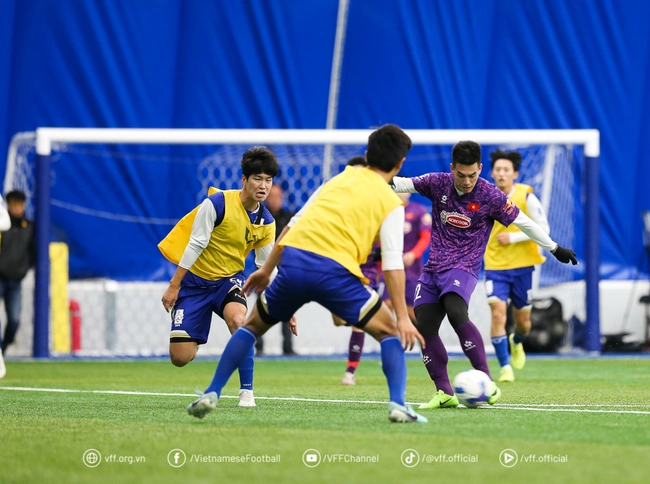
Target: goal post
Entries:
(46, 138)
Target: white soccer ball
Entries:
(473, 387)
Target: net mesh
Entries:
(127, 318)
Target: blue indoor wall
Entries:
(260, 64)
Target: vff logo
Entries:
(179, 314)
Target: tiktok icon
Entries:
(410, 458)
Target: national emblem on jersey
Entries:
(456, 219)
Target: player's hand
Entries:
(170, 297)
(565, 255)
(293, 325)
(408, 258)
(408, 333)
(503, 239)
(257, 282)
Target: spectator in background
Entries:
(5, 223)
(17, 256)
(275, 205)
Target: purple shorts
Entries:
(432, 286)
(409, 294)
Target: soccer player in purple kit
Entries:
(464, 208)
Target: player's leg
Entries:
(286, 294)
(234, 314)
(181, 353)
(498, 289)
(360, 305)
(357, 339)
(470, 338)
(500, 340)
(355, 346)
(190, 318)
(522, 302)
(287, 340)
(429, 315)
(259, 347)
(456, 307)
(522, 329)
(382, 326)
(13, 306)
(237, 350)
(355, 350)
(434, 354)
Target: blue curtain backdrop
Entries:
(260, 64)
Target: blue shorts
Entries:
(197, 300)
(331, 285)
(513, 284)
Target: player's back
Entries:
(344, 219)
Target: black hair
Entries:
(513, 156)
(357, 161)
(259, 160)
(466, 153)
(387, 146)
(15, 196)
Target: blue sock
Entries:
(517, 338)
(500, 344)
(246, 371)
(394, 365)
(237, 350)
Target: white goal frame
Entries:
(46, 137)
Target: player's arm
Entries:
(416, 252)
(202, 229)
(403, 185)
(391, 235)
(536, 233)
(536, 211)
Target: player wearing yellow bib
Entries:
(210, 246)
(319, 259)
(510, 260)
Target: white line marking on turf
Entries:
(531, 407)
(577, 410)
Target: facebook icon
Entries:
(176, 458)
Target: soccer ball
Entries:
(473, 387)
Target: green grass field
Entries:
(584, 421)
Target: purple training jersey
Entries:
(370, 269)
(462, 224)
(416, 220)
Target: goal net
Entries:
(112, 199)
